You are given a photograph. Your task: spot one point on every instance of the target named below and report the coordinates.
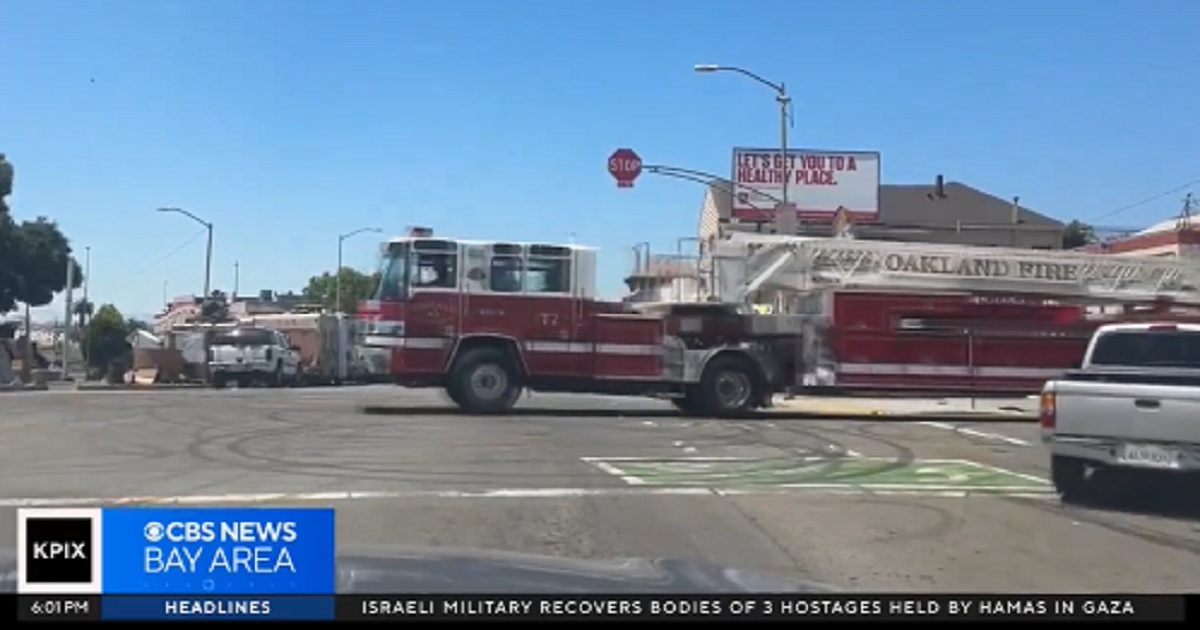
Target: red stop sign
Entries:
(625, 166)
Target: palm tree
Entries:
(83, 310)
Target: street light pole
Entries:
(337, 283)
(781, 96)
(337, 275)
(208, 249)
(87, 270)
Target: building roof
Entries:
(915, 204)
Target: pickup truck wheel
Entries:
(1070, 479)
(484, 381)
(727, 388)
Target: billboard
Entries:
(820, 183)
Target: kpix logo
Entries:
(71, 550)
(58, 550)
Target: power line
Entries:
(172, 253)
(1167, 193)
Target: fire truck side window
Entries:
(436, 265)
(548, 269)
(505, 275)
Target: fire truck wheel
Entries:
(686, 405)
(727, 388)
(484, 381)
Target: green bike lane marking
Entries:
(816, 472)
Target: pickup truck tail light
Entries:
(1163, 328)
(1048, 410)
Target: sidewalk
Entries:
(965, 409)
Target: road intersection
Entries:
(879, 505)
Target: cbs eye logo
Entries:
(154, 532)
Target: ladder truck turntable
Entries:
(485, 320)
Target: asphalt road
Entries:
(859, 505)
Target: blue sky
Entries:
(286, 122)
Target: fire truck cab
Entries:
(486, 320)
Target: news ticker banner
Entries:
(176, 551)
(156, 563)
(509, 607)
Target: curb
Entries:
(764, 414)
(875, 415)
(24, 388)
(134, 387)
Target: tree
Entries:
(6, 182)
(356, 287)
(1077, 234)
(83, 309)
(104, 340)
(33, 255)
(215, 308)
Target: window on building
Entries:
(436, 264)
(506, 269)
(548, 269)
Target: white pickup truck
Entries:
(1129, 414)
(248, 355)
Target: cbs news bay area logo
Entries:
(241, 546)
(134, 550)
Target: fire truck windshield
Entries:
(393, 273)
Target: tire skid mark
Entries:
(1107, 521)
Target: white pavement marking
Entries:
(979, 434)
(1003, 471)
(533, 493)
(616, 472)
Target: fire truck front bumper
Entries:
(376, 359)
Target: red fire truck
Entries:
(487, 319)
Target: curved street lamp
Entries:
(781, 96)
(208, 249)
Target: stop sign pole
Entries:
(625, 166)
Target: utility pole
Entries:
(236, 267)
(1184, 222)
(66, 331)
(87, 270)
